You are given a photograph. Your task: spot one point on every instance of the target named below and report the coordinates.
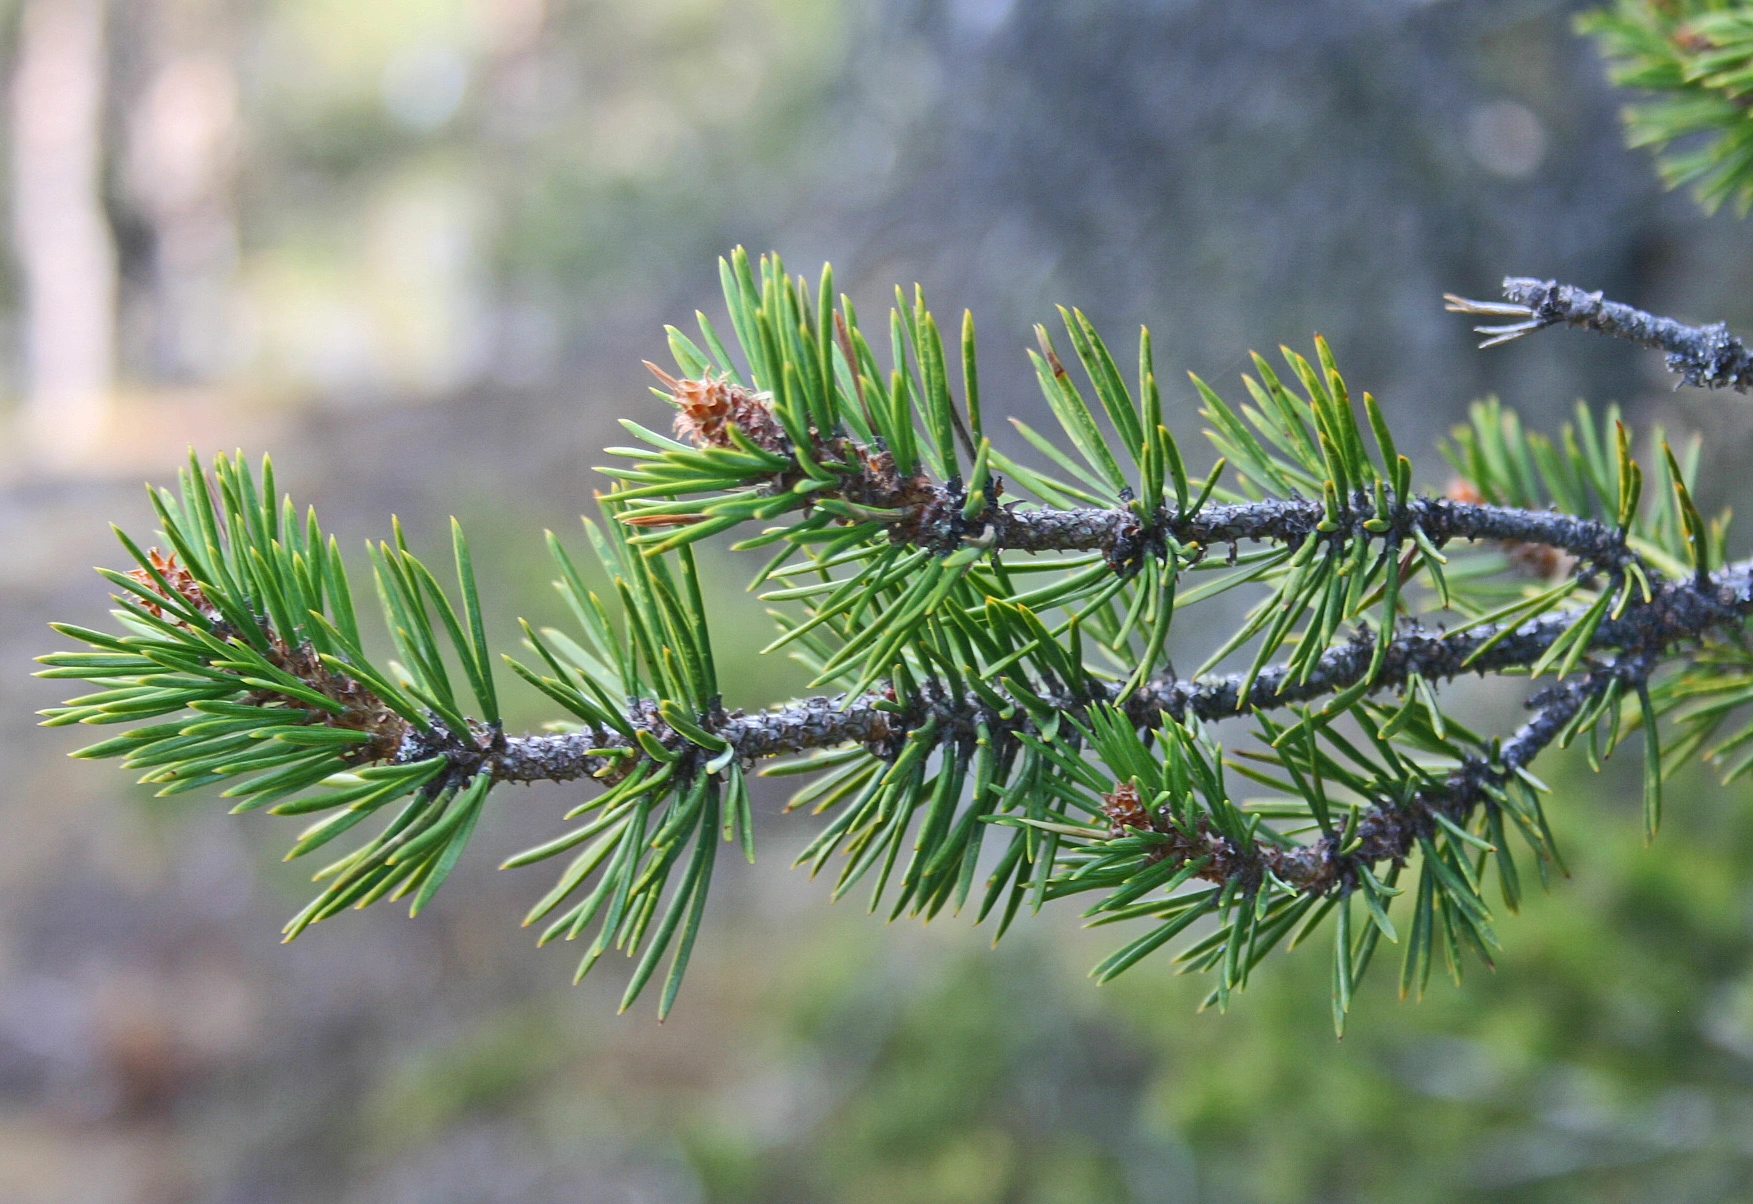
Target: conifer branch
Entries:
(988, 667)
(1678, 612)
(1121, 536)
(1706, 357)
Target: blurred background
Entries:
(417, 248)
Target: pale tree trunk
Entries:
(62, 236)
(179, 167)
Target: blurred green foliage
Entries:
(1693, 62)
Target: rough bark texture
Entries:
(1293, 520)
(1708, 357)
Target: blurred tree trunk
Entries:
(179, 170)
(64, 244)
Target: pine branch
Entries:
(988, 667)
(1706, 357)
(1678, 612)
(1122, 537)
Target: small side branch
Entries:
(1707, 357)
(1389, 829)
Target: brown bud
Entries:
(706, 407)
(183, 582)
(1124, 809)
